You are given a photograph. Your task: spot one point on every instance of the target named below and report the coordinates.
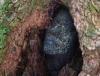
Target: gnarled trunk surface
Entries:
(24, 45)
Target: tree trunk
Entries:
(24, 44)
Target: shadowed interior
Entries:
(61, 43)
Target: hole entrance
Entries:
(61, 44)
(60, 47)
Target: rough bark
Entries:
(16, 56)
(85, 16)
(89, 44)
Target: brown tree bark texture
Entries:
(18, 43)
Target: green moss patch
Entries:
(3, 37)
